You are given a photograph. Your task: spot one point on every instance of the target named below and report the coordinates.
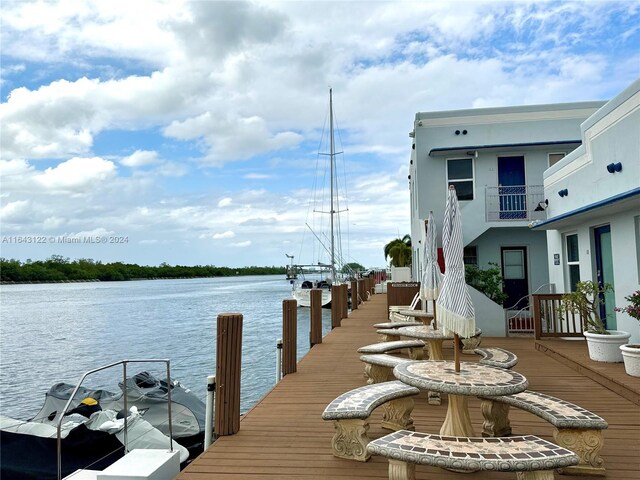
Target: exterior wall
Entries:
(625, 239)
(611, 135)
(486, 129)
(489, 126)
(489, 244)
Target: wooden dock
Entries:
(283, 436)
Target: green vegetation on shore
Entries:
(61, 269)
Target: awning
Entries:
(622, 202)
(471, 149)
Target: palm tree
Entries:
(399, 251)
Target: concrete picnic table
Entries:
(473, 379)
(425, 317)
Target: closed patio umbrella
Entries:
(431, 275)
(455, 309)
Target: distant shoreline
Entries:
(34, 282)
(58, 269)
(96, 280)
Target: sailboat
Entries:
(324, 275)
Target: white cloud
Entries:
(227, 234)
(246, 243)
(140, 158)
(257, 176)
(15, 211)
(77, 175)
(225, 202)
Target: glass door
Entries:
(604, 273)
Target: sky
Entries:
(188, 132)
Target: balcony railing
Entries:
(514, 203)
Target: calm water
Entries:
(55, 332)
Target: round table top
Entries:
(423, 332)
(416, 313)
(473, 379)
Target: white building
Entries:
(496, 158)
(593, 214)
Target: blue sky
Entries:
(192, 128)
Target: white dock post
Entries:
(208, 422)
(279, 346)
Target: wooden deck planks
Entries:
(283, 435)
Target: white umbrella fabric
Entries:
(431, 275)
(455, 309)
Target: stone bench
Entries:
(388, 334)
(497, 357)
(379, 367)
(533, 457)
(470, 344)
(350, 413)
(396, 324)
(415, 348)
(576, 429)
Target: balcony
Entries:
(514, 203)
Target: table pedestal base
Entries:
(401, 470)
(397, 414)
(539, 475)
(457, 422)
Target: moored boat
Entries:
(92, 427)
(330, 241)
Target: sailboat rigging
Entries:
(302, 288)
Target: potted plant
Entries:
(631, 351)
(603, 344)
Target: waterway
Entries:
(53, 333)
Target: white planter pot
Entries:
(631, 356)
(606, 348)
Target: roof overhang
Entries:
(623, 202)
(512, 147)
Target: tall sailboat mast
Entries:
(332, 160)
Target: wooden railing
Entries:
(402, 293)
(551, 320)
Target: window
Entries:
(555, 158)
(471, 255)
(460, 175)
(573, 261)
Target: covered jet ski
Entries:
(29, 449)
(149, 394)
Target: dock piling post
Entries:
(362, 289)
(228, 367)
(335, 307)
(289, 336)
(315, 312)
(344, 300)
(354, 295)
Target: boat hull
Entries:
(303, 297)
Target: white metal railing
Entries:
(515, 203)
(124, 364)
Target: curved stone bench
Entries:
(379, 367)
(576, 429)
(497, 357)
(415, 348)
(533, 457)
(388, 334)
(350, 413)
(396, 324)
